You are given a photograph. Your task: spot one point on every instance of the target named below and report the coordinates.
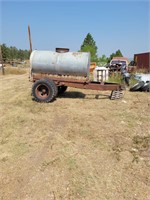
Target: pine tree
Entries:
(5, 52)
(117, 54)
(89, 45)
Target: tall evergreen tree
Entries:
(89, 45)
(5, 52)
(117, 54)
(13, 53)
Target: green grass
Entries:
(117, 78)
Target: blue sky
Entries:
(114, 25)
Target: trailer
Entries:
(53, 72)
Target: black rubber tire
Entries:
(43, 91)
(54, 85)
(127, 81)
(146, 87)
(137, 86)
(62, 89)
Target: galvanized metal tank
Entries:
(66, 63)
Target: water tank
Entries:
(66, 63)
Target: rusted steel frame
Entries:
(93, 86)
(82, 84)
(59, 79)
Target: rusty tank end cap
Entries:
(62, 50)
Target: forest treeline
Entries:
(12, 53)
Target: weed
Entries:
(71, 163)
(140, 144)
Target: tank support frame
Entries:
(79, 83)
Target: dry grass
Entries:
(78, 147)
(8, 70)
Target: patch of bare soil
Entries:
(81, 146)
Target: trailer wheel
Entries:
(62, 89)
(54, 85)
(43, 91)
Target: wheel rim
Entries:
(42, 91)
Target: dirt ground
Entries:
(81, 146)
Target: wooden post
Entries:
(30, 41)
(1, 61)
